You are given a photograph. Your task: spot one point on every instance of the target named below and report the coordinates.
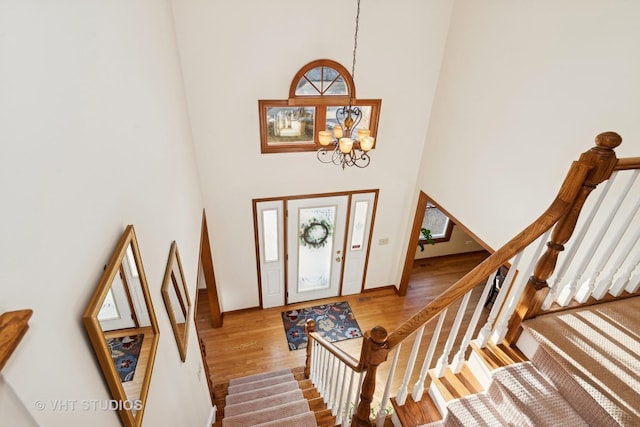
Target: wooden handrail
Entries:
(345, 358)
(13, 326)
(592, 168)
(337, 352)
(627, 164)
(559, 207)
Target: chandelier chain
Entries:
(355, 44)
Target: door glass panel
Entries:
(270, 234)
(359, 224)
(315, 247)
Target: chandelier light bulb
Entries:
(366, 143)
(362, 133)
(346, 144)
(324, 137)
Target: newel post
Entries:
(601, 161)
(374, 352)
(308, 328)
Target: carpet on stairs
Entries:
(265, 400)
(518, 395)
(592, 354)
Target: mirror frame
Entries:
(96, 335)
(174, 255)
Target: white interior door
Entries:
(315, 243)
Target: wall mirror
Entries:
(176, 298)
(123, 331)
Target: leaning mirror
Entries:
(123, 331)
(176, 298)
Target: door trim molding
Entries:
(286, 199)
(209, 277)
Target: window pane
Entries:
(321, 81)
(435, 221)
(365, 122)
(359, 224)
(270, 234)
(290, 125)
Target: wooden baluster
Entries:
(382, 413)
(485, 333)
(604, 281)
(558, 287)
(459, 358)
(515, 292)
(601, 159)
(443, 361)
(339, 386)
(418, 388)
(341, 402)
(634, 279)
(624, 281)
(623, 269)
(374, 352)
(403, 391)
(308, 328)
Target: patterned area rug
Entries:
(125, 352)
(335, 322)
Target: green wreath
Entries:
(315, 233)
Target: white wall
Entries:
(94, 135)
(524, 89)
(235, 53)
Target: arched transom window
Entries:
(317, 90)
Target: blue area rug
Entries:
(335, 322)
(125, 352)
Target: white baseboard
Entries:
(212, 416)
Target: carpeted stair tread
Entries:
(267, 414)
(264, 402)
(524, 397)
(301, 420)
(473, 410)
(240, 397)
(258, 377)
(584, 403)
(266, 382)
(599, 347)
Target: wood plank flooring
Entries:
(253, 341)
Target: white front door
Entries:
(315, 242)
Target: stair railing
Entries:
(522, 296)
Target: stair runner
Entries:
(520, 395)
(271, 399)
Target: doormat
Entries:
(125, 352)
(334, 321)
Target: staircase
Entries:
(276, 398)
(498, 368)
(584, 370)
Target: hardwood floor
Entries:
(253, 341)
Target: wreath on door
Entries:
(315, 233)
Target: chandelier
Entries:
(340, 147)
